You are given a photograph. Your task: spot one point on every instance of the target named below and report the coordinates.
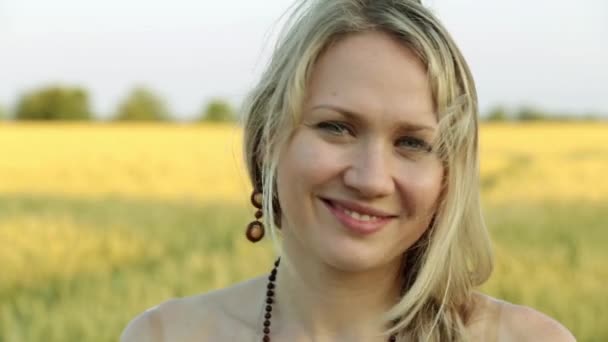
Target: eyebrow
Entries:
(408, 126)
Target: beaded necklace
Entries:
(270, 288)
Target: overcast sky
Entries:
(547, 53)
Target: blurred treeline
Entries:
(59, 102)
(529, 113)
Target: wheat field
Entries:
(99, 222)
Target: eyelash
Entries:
(339, 128)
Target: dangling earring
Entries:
(255, 229)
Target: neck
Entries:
(316, 300)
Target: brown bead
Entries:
(255, 231)
(266, 339)
(256, 199)
(259, 214)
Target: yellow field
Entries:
(539, 162)
(92, 215)
(150, 161)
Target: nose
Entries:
(369, 173)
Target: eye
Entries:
(335, 127)
(414, 144)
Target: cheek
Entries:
(304, 166)
(421, 187)
(308, 161)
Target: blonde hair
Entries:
(454, 254)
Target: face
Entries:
(358, 182)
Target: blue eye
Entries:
(334, 127)
(414, 143)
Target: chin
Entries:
(351, 256)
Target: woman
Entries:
(361, 143)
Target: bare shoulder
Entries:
(521, 323)
(144, 327)
(496, 320)
(219, 315)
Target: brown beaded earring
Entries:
(255, 229)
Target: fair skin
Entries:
(366, 126)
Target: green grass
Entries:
(552, 256)
(549, 256)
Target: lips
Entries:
(375, 220)
(359, 208)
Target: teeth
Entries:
(358, 216)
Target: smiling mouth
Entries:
(357, 222)
(357, 215)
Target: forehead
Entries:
(373, 74)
